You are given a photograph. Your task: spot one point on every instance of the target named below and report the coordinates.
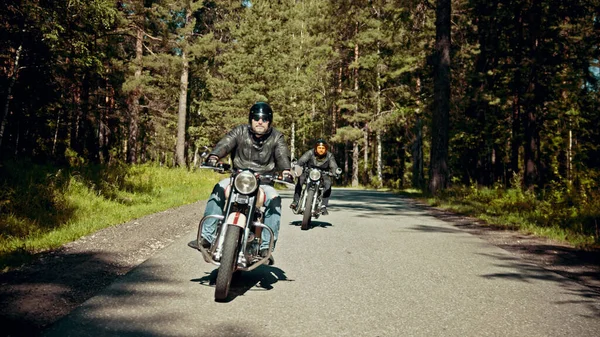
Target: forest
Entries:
(421, 94)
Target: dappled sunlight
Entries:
(434, 229)
(370, 203)
(61, 291)
(522, 272)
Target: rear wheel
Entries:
(307, 209)
(228, 261)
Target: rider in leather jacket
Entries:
(319, 157)
(259, 147)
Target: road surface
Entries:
(377, 265)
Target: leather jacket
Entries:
(265, 155)
(326, 163)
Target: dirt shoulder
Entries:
(40, 293)
(582, 266)
(37, 295)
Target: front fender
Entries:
(237, 219)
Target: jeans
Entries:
(216, 203)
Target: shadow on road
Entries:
(62, 280)
(369, 203)
(74, 278)
(535, 258)
(149, 284)
(259, 279)
(313, 224)
(519, 271)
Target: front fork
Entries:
(213, 254)
(313, 203)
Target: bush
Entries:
(559, 211)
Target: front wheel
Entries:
(307, 209)
(228, 261)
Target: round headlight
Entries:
(245, 182)
(314, 174)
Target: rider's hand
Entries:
(212, 160)
(287, 176)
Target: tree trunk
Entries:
(55, 140)
(531, 145)
(417, 156)
(86, 134)
(570, 158)
(103, 128)
(355, 153)
(11, 83)
(346, 161)
(418, 180)
(75, 118)
(533, 101)
(379, 161)
(338, 90)
(366, 153)
(355, 149)
(183, 86)
(293, 142)
(515, 137)
(134, 101)
(441, 105)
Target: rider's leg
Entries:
(214, 206)
(272, 215)
(326, 191)
(298, 188)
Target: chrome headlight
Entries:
(314, 174)
(245, 182)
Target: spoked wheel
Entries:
(307, 210)
(228, 261)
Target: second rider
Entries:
(321, 158)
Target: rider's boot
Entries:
(294, 205)
(203, 242)
(324, 204)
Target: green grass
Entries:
(42, 208)
(557, 214)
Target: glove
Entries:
(212, 160)
(287, 176)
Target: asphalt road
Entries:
(375, 266)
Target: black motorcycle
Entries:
(311, 197)
(238, 239)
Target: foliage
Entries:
(558, 214)
(86, 83)
(42, 207)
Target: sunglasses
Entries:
(258, 117)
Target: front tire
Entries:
(228, 261)
(307, 209)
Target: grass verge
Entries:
(556, 215)
(42, 207)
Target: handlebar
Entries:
(284, 182)
(226, 168)
(222, 168)
(336, 174)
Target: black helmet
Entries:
(262, 110)
(320, 142)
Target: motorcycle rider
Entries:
(259, 147)
(319, 157)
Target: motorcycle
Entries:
(311, 197)
(237, 243)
